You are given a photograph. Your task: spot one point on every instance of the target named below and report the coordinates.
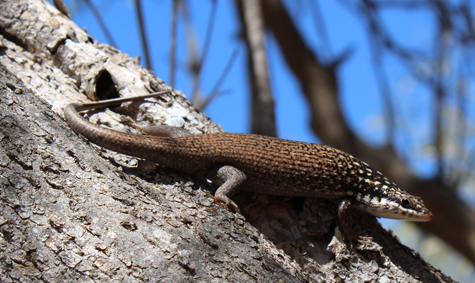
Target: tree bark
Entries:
(73, 212)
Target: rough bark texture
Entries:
(72, 212)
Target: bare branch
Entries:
(215, 91)
(173, 38)
(262, 104)
(204, 53)
(378, 38)
(101, 23)
(143, 35)
(321, 28)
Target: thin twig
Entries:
(321, 28)
(215, 90)
(438, 86)
(209, 33)
(173, 38)
(143, 34)
(101, 23)
(379, 38)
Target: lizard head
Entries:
(378, 196)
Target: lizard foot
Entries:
(225, 202)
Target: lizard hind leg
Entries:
(229, 179)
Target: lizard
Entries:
(260, 164)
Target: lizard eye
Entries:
(405, 203)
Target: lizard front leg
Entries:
(344, 221)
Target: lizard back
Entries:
(272, 165)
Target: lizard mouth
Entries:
(395, 210)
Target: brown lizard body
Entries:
(261, 164)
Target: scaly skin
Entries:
(261, 164)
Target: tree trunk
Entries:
(73, 212)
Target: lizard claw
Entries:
(225, 202)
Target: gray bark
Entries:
(73, 212)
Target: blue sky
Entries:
(360, 95)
